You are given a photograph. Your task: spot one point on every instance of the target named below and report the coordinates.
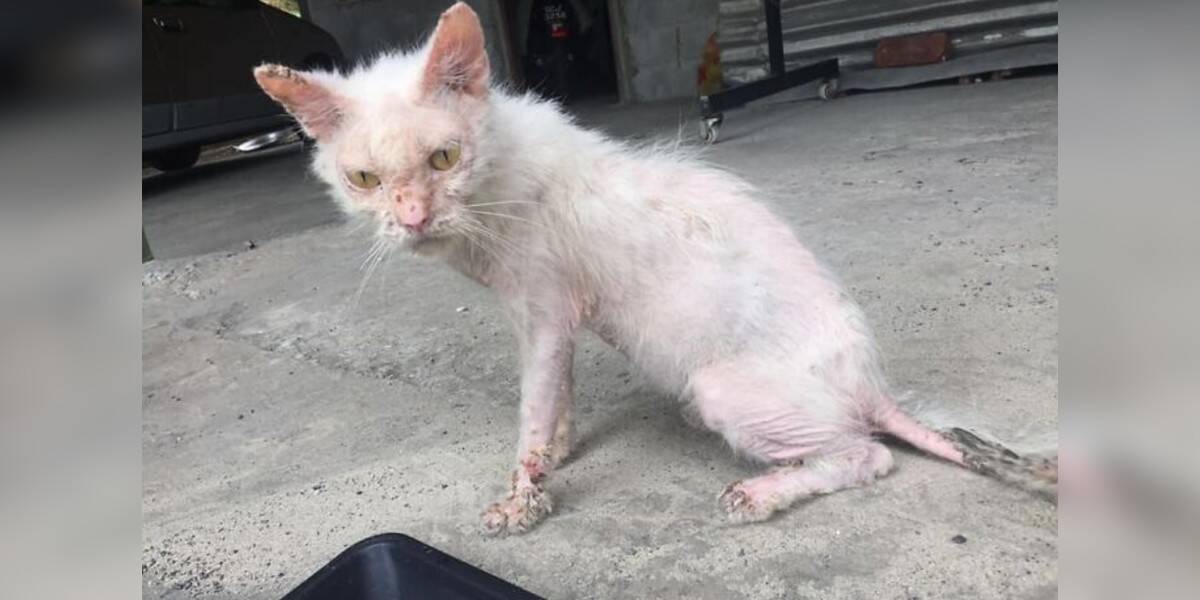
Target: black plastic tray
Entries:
(394, 566)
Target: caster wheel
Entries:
(828, 90)
(710, 128)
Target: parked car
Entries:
(197, 62)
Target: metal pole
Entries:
(774, 36)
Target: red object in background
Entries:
(556, 16)
(922, 49)
(709, 76)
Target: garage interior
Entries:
(289, 411)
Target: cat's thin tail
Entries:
(1032, 470)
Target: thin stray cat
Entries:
(672, 262)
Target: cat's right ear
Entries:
(317, 108)
(457, 60)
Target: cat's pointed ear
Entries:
(316, 107)
(457, 60)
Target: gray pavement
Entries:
(286, 415)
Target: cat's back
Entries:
(638, 209)
(681, 261)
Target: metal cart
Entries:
(713, 107)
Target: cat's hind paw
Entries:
(741, 505)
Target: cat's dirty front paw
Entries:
(518, 513)
(741, 506)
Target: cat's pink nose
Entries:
(417, 226)
(414, 216)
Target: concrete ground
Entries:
(286, 415)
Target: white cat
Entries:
(672, 262)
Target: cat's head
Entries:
(402, 139)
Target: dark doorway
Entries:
(563, 48)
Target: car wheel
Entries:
(175, 159)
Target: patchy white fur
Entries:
(671, 261)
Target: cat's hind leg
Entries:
(817, 440)
(758, 498)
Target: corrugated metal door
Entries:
(849, 29)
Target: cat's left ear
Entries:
(457, 60)
(316, 107)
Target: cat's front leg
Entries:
(545, 397)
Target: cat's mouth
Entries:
(436, 229)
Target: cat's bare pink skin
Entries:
(756, 499)
(669, 260)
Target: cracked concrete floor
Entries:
(285, 416)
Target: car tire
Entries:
(175, 159)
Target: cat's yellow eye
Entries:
(363, 179)
(445, 158)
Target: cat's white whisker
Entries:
(479, 227)
(504, 216)
(497, 237)
(380, 250)
(469, 228)
(503, 202)
(387, 262)
(375, 247)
